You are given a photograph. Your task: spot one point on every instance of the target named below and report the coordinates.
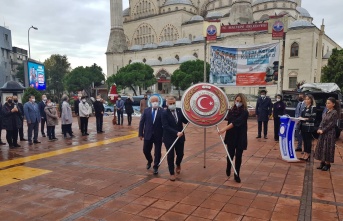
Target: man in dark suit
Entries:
(172, 121)
(300, 106)
(264, 108)
(99, 113)
(21, 110)
(41, 106)
(32, 115)
(150, 129)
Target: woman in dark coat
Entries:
(12, 121)
(308, 117)
(236, 137)
(325, 150)
(129, 109)
(279, 108)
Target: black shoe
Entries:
(43, 135)
(322, 164)
(298, 150)
(23, 139)
(155, 171)
(237, 179)
(87, 134)
(326, 167)
(16, 145)
(102, 131)
(36, 141)
(258, 137)
(54, 138)
(148, 166)
(2, 143)
(11, 147)
(228, 172)
(30, 143)
(83, 134)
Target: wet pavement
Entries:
(103, 177)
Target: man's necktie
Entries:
(174, 114)
(153, 115)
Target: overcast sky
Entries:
(80, 28)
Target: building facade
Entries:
(5, 55)
(18, 57)
(166, 33)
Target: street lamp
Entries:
(28, 38)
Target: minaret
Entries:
(241, 12)
(117, 44)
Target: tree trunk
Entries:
(179, 94)
(140, 90)
(134, 91)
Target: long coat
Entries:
(237, 137)
(128, 106)
(51, 116)
(11, 120)
(325, 150)
(264, 108)
(66, 115)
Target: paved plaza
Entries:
(104, 177)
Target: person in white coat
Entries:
(84, 110)
(66, 117)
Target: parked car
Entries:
(252, 111)
(108, 108)
(320, 94)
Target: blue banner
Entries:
(36, 76)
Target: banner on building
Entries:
(245, 66)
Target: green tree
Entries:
(132, 75)
(82, 78)
(181, 80)
(333, 71)
(56, 68)
(31, 91)
(20, 75)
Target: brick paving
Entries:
(110, 182)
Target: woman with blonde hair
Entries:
(236, 137)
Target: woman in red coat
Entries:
(236, 137)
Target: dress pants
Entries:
(307, 139)
(66, 128)
(42, 125)
(21, 132)
(120, 115)
(99, 121)
(298, 135)
(147, 147)
(84, 124)
(179, 150)
(234, 152)
(33, 127)
(12, 137)
(265, 128)
(129, 119)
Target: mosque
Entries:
(166, 33)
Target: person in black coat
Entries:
(279, 108)
(41, 106)
(172, 121)
(12, 122)
(307, 125)
(264, 108)
(20, 106)
(129, 109)
(99, 113)
(1, 126)
(236, 137)
(76, 109)
(151, 130)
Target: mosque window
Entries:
(190, 37)
(144, 60)
(160, 59)
(317, 49)
(265, 6)
(295, 50)
(195, 55)
(130, 61)
(144, 35)
(177, 57)
(169, 33)
(292, 82)
(168, 9)
(327, 50)
(144, 8)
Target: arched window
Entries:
(317, 49)
(130, 61)
(177, 57)
(144, 60)
(295, 50)
(159, 58)
(195, 55)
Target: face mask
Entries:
(172, 107)
(9, 101)
(301, 99)
(119, 99)
(263, 95)
(154, 104)
(238, 104)
(33, 100)
(98, 99)
(278, 99)
(49, 104)
(145, 98)
(15, 101)
(83, 100)
(44, 99)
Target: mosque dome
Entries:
(187, 58)
(182, 41)
(197, 18)
(136, 61)
(153, 62)
(303, 12)
(174, 2)
(264, 1)
(166, 44)
(300, 23)
(170, 60)
(214, 14)
(126, 12)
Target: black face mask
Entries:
(9, 101)
(301, 99)
(145, 98)
(15, 101)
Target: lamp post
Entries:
(28, 38)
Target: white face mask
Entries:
(263, 95)
(238, 104)
(83, 100)
(278, 99)
(154, 104)
(172, 107)
(98, 99)
(33, 100)
(44, 99)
